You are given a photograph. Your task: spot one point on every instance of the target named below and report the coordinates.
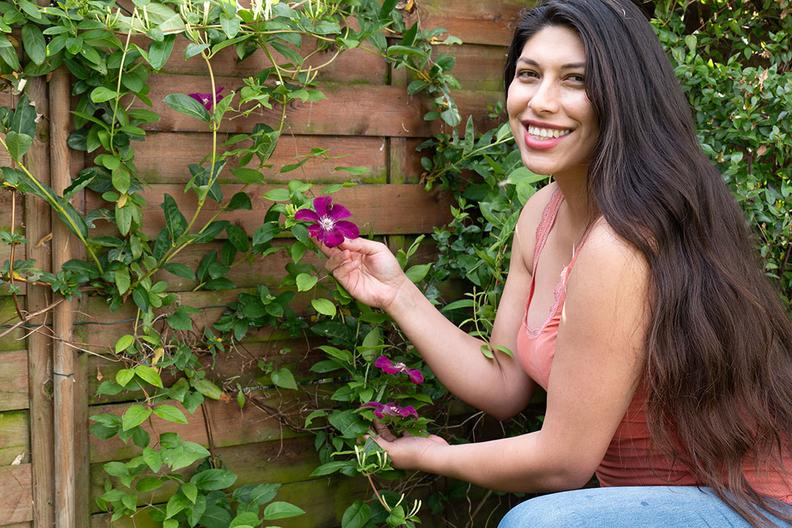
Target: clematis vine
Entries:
(206, 98)
(391, 410)
(327, 225)
(389, 367)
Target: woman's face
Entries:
(549, 112)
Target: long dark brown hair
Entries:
(718, 346)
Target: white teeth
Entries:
(547, 132)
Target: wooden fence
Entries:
(368, 117)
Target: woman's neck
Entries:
(576, 201)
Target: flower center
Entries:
(326, 223)
(401, 366)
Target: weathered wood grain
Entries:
(14, 380)
(159, 162)
(8, 318)
(14, 438)
(376, 209)
(377, 110)
(473, 21)
(360, 65)
(16, 499)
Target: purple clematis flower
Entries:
(206, 98)
(389, 367)
(327, 226)
(381, 410)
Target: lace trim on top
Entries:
(542, 232)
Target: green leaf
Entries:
(246, 175)
(159, 52)
(18, 144)
(152, 459)
(171, 414)
(149, 375)
(34, 43)
(187, 105)
(121, 179)
(176, 504)
(324, 307)
(281, 510)
(214, 479)
(180, 270)
(284, 378)
(135, 415)
(100, 94)
(245, 520)
(175, 222)
(341, 355)
(194, 49)
(331, 467)
(123, 343)
(124, 376)
(122, 280)
(356, 515)
(306, 281)
(207, 388)
(277, 195)
(417, 273)
(240, 200)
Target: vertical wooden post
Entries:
(63, 356)
(37, 227)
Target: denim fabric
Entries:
(622, 507)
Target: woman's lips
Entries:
(537, 143)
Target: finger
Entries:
(361, 245)
(383, 431)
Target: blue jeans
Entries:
(634, 507)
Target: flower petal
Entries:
(408, 411)
(316, 232)
(333, 238)
(306, 214)
(338, 211)
(386, 365)
(415, 376)
(348, 229)
(322, 205)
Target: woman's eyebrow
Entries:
(568, 66)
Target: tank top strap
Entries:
(576, 248)
(546, 225)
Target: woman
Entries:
(634, 298)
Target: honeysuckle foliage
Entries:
(112, 51)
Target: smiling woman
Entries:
(630, 278)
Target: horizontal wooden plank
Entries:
(324, 501)
(164, 158)
(17, 525)
(14, 380)
(228, 424)
(14, 438)
(478, 68)
(347, 110)
(360, 65)
(238, 365)
(473, 21)
(8, 317)
(376, 209)
(289, 460)
(16, 496)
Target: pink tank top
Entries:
(631, 458)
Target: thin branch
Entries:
(29, 317)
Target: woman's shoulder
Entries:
(607, 258)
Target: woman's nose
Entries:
(545, 98)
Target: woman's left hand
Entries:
(407, 452)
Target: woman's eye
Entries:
(526, 74)
(577, 78)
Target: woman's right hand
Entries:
(368, 270)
